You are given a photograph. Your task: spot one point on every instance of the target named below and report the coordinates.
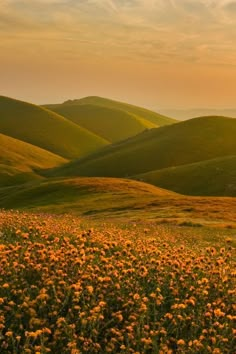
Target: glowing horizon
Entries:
(155, 53)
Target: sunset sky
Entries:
(155, 53)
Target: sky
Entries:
(154, 53)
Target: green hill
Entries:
(215, 177)
(48, 130)
(19, 161)
(113, 198)
(81, 194)
(153, 117)
(110, 123)
(110, 119)
(182, 143)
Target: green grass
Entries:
(20, 161)
(211, 177)
(80, 194)
(142, 113)
(48, 130)
(119, 199)
(178, 144)
(110, 123)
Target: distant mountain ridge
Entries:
(184, 114)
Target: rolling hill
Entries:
(115, 199)
(109, 123)
(182, 143)
(81, 194)
(155, 118)
(48, 130)
(110, 119)
(215, 177)
(19, 161)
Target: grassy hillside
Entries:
(119, 199)
(141, 113)
(19, 160)
(109, 123)
(38, 126)
(211, 177)
(187, 142)
(85, 194)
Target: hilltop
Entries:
(182, 143)
(110, 119)
(153, 117)
(109, 123)
(48, 130)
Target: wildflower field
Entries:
(67, 286)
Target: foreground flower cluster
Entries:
(111, 290)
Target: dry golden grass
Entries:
(119, 198)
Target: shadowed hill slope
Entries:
(109, 123)
(215, 177)
(48, 130)
(19, 161)
(182, 143)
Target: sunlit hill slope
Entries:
(110, 119)
(48, 130)
(109, 123)
(81, 194)
(20, 161)
(113, 198)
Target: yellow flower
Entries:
(9, 334)
(136, 296)
(180, 342)
(219, 313)
(90, 289)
